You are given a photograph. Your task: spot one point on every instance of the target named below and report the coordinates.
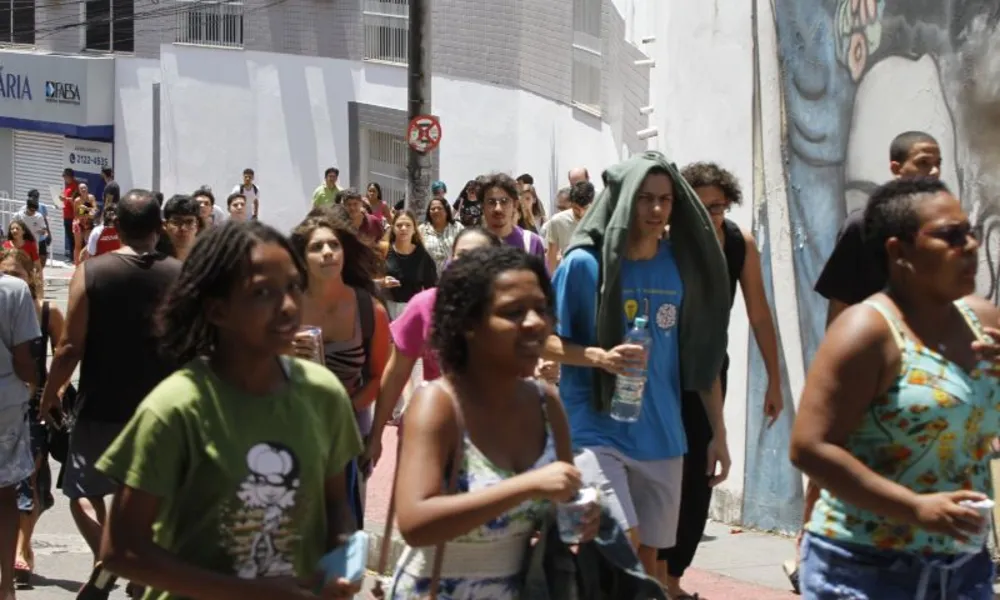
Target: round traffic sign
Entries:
(424, 133)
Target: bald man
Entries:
(578, 174)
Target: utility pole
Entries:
(419, 103)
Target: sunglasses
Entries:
(956, 236)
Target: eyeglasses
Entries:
(184, 223)
(505, 201)
(956, 236)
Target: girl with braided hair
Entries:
(232, 469)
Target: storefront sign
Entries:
(62, 92)
(68, 95)
(86, 156)
(14, 86)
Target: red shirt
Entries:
(68, 192)
(108, 241)
(29, 248)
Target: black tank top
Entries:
(734, 247)
(121, 359)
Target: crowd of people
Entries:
(234, 411)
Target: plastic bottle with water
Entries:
(626, 403)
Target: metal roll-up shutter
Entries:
(38, 164)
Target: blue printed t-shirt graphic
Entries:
(659, 432)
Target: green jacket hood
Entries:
(704, 314)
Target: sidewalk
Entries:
(730, 563)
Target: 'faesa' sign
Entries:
(62, 92)
(15, 86)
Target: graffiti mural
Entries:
(826, 49)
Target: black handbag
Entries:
(58, 433)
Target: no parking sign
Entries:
(424, 133)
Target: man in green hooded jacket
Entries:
(619, 267)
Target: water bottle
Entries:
(626, 403)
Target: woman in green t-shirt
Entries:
(232, 469)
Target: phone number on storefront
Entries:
(83, 159)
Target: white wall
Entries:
(286, 117)
(134, 79)
(701, 89)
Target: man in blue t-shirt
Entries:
(637, 466)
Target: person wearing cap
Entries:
(36, 218)
(439, 190)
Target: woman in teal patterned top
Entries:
(898, 415)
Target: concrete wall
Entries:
(523, 45)
(288, 117)
(134, 80)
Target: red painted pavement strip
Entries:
(709, 586)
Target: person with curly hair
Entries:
(719, 190)
(342, 301)
(492, 315)
(231, 472)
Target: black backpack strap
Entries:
(45, 328)
(366, 313)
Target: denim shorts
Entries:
(834, 570)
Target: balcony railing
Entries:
(210, 23)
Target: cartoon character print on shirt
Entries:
(261, 546)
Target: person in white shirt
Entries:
(18, 375)
(33, 215)
(563, 224)
(250, 192)
(562, 203)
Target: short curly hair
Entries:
(704, 174)
(464, 293)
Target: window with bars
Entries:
(110, 25)
(17, 22)
(587, 59)
(387, 159)
(210, 23)
(387, 30)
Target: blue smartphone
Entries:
(347, 561)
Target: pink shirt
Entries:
(411, 332)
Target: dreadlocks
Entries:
(219, 259)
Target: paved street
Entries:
(729, 564)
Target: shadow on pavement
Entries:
(41, 581)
